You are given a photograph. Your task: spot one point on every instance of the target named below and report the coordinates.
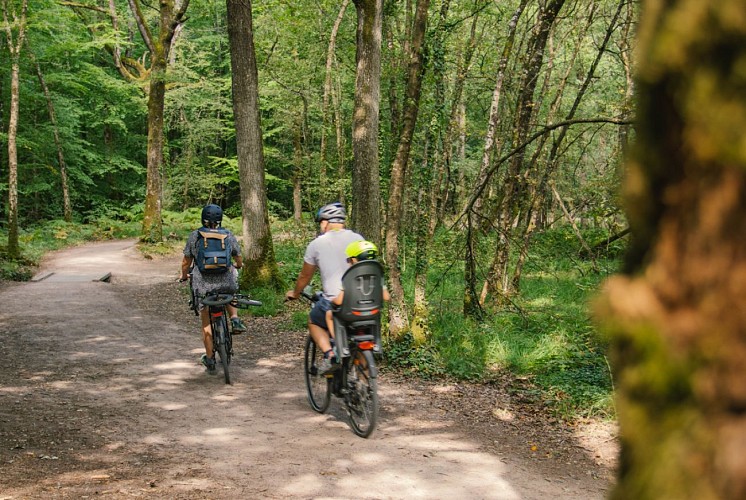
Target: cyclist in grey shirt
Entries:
(327, 254)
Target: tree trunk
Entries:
(152, 224)
(456, 99)
(328, 91)
(67, 209)
(677, 317)
(426, 182)
(397, 305)
(539, 189)
(297, 169)
(159, 46)
(341, 157)
(366, 190)
(13, 250)
(515, 186)
(625, 54)
(471, 303)
(260, 267)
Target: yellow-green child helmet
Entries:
(362, 250)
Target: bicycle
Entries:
(222, 335)
(357, 341)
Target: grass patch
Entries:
(545, 333)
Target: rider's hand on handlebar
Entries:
(291, 295)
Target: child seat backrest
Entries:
(363, 293)
(361, 307)
(213, 251)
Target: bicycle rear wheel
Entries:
(223, 349)
(362, 396)
(318, 386)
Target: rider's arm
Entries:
(237, 261)
(186, 265)
(304, 278)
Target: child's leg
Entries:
(330, 323)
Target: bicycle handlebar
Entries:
(223, 299)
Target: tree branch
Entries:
(141, 24)
(77, 5)
(545, 130)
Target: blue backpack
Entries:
(213, 251)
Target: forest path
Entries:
(101, 394)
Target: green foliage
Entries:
(422, 361)
(545, 333)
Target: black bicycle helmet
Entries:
(212, 214)
(333, 212)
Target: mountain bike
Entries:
(222, 335)
(354, 381)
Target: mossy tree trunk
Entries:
(677, 319)
(170, 17)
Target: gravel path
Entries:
(101, 394)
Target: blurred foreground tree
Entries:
(677, 319)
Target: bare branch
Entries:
(78, 5)
(142, 26)
(545, 130)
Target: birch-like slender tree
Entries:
(14, 22)
(415, 69)
(66, 207)
(328, 91)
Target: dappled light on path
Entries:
(116, 400)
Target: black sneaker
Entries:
(208, 363)
(238, 326)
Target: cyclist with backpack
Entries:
(213, 255)
(327, 254)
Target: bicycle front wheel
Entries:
(362, 396)
(221, 339)
(318, 386)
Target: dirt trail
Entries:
(101, 395)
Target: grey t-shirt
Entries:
(327, 252)
(226, 282)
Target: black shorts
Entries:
(317, 316)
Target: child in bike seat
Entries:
(356, 251)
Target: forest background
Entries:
(499, 143)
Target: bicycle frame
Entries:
(222, 337)
(355, 381)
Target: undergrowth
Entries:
(544, 333)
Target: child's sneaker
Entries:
(238, 326)
(208, 363)
(326, 366)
